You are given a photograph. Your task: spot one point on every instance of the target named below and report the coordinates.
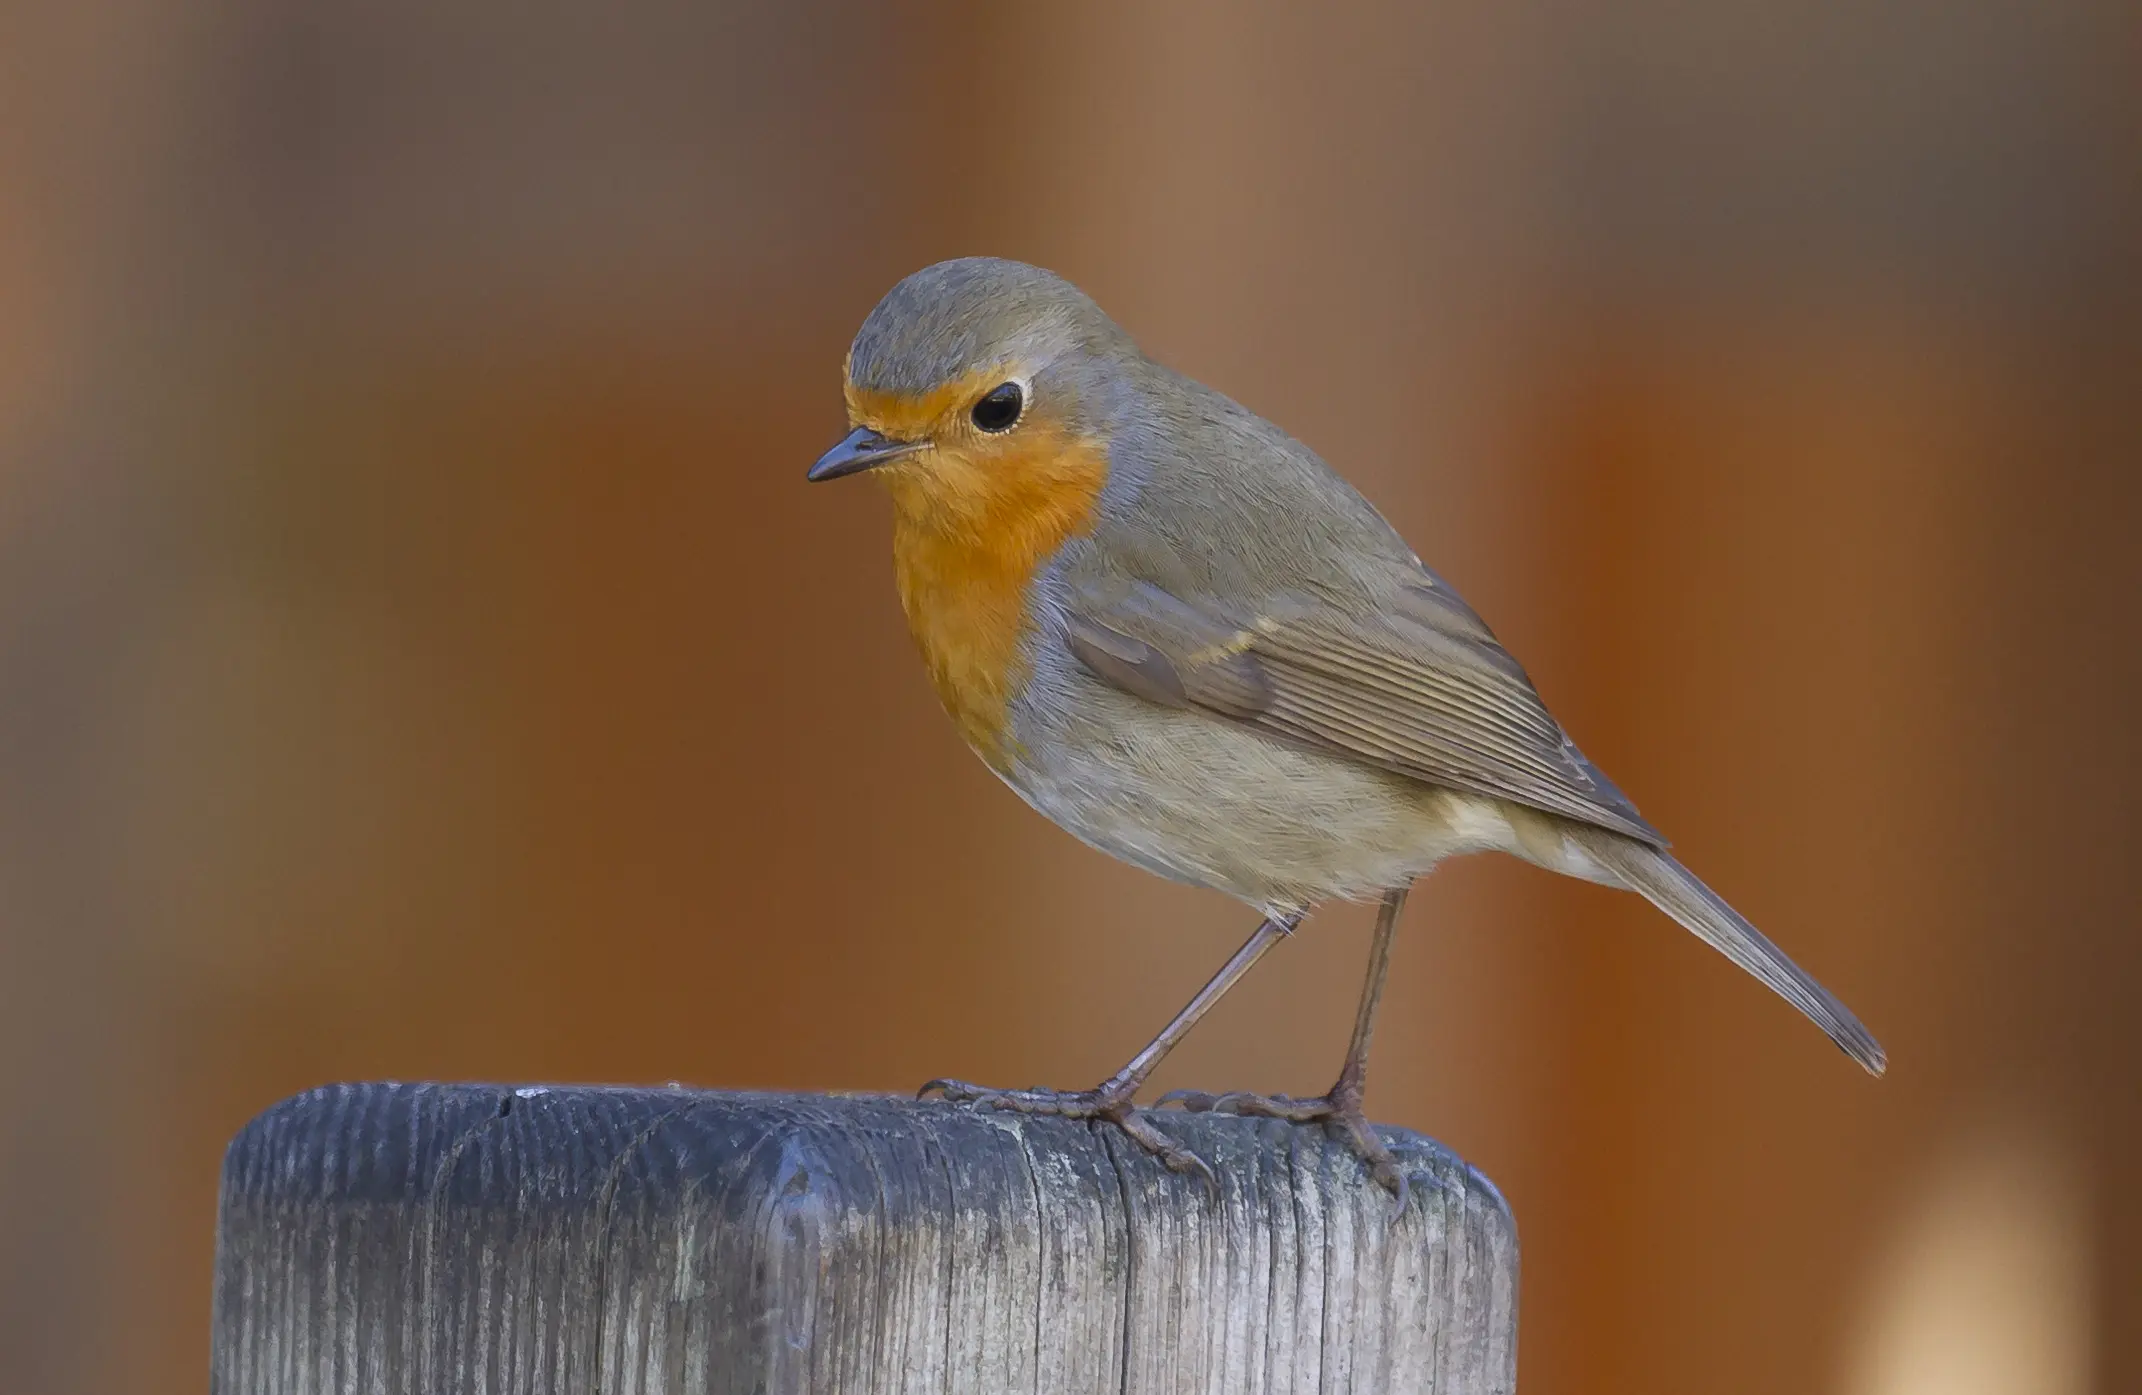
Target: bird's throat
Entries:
(969, 536)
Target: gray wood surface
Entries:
(447, 1238)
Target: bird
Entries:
(1176, 632)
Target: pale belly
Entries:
(1198, 799)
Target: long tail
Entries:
(1675, 890)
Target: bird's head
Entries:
(979, 391)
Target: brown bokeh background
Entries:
(421, 658)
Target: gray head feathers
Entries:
(973, 313)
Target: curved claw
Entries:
(931, 1087)
(1173, 1155)
(1376, 1157)
(1399, 1183)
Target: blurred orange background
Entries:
(420, 656)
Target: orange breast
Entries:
(969, 535)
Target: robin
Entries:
(1176, 632)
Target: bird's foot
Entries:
(1339, 1112)
(1103, 1103)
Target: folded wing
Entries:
(1418, 687)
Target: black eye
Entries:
(1000, 408)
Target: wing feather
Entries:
(1420, 689)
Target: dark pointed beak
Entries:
(861, 449)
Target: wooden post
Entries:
(433, 1239)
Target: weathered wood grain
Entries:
(432, 1239)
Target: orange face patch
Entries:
(975, 516)
(918, 418)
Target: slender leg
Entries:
(1111, 1099)
(1340, 1108)
(1353, 1075)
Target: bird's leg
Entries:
(1111, 1099)
(1340, 1108)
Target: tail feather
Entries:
(1675, 890)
